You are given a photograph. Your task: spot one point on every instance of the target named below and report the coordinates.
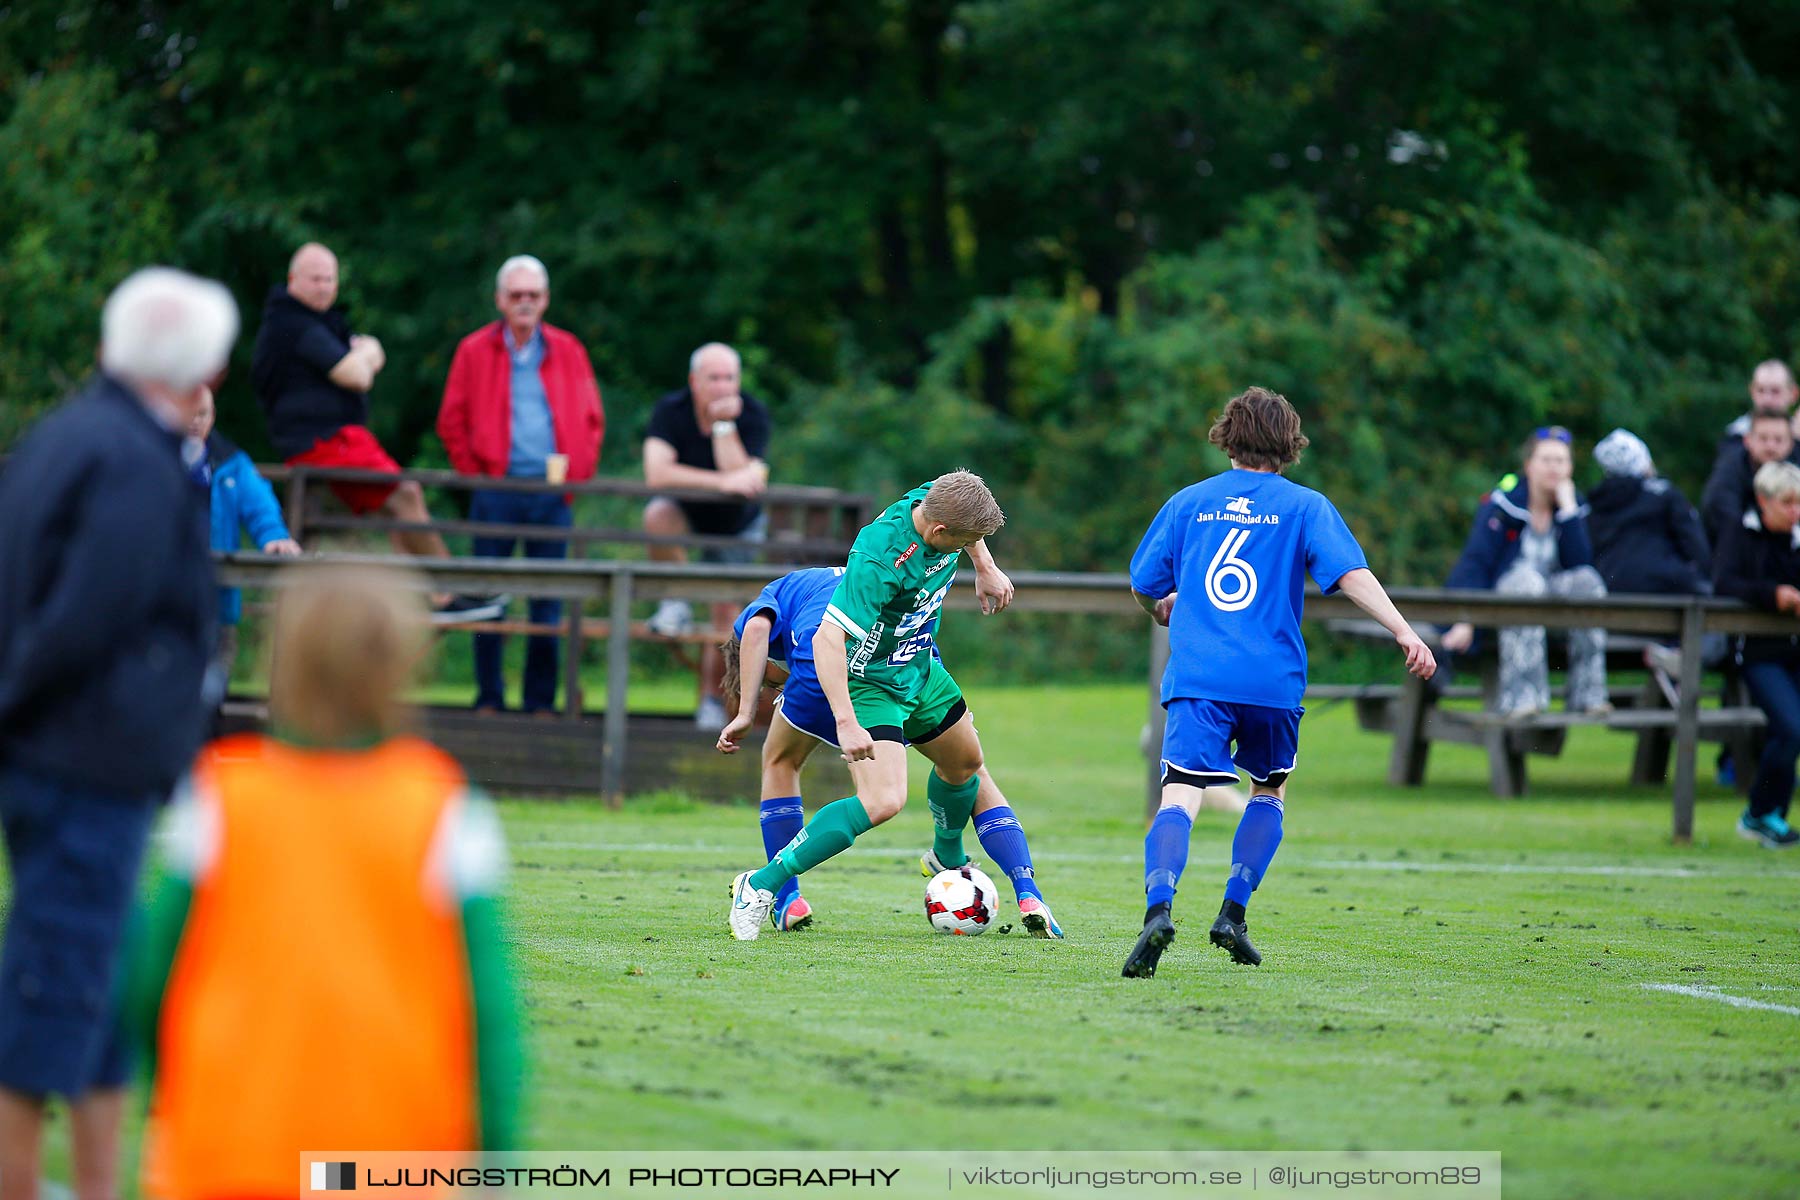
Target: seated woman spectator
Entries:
(1533, 541)
(1759, 563)
(1646, 535)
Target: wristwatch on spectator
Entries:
(723, 427)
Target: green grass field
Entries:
(1444, 970)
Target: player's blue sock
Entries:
(1253, 847)
(1165, 854)
(782, 818)
(1004, 840)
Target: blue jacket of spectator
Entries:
(106, 598)
(1494, 541)
(242, 502)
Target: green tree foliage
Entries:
(1043, 238)
(81, 205)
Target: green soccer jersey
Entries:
(887, 602)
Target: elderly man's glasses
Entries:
(532, 294)
(1545, 433)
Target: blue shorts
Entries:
(74, 854)
(803, 705)
(1198, 738)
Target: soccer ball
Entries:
(961, 901)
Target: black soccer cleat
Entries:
(1231, 936)
(1159, 931)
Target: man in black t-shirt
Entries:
(709, 436)
(312, 376)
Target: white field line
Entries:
(1344, 864)
(1699, 993)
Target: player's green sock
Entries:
(830, 832)
(951, 804)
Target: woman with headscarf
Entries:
(1646, 535)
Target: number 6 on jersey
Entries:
(1230, 581)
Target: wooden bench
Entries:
(1412, 713)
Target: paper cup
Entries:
(556, 468)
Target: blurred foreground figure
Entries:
(322, 963)
(106, 604)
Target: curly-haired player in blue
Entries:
(1237, 549)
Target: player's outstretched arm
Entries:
(753, 660)
(1159, 610)
(992, 587)
(1367, 593)
(834, 680)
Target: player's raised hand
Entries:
(855, 742)
(1419, 659)
(732, 736)
(993, 589)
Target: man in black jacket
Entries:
(1758, 562)
(106, 611)
(1728, 494)
(1772, 390)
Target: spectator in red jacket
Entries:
(521, 403)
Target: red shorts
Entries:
(353, 446)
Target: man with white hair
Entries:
(521, 402)
(106, 611)
(710, 436)
(312, 377)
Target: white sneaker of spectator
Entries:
(710, 716)
(672, 619)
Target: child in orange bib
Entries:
(322, 967)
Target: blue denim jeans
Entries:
(520, 508)
(1775, 686)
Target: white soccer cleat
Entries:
(931, 868)
(750, 907)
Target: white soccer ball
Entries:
(962, 901)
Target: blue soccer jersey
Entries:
(1238, 547)
(796, 602)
